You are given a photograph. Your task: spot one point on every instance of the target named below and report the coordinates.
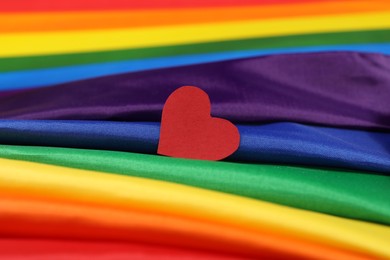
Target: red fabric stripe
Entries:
(69, 5)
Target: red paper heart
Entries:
(189, 131)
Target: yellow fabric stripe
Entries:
(45, 181)
(19, 44)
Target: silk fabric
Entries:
(71, 5)
(47, 77)
(338, 89)
(323, 190)
(285, 143)
(41, 43)
(61, 220)
(32, 180)
(55, 249)
(78, 203)
(58, 21)
(267, 45)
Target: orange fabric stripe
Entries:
(68, 5)
(57, 21)
(26, 218)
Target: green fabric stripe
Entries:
(354, 195)
(38, 62)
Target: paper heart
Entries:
(189, 131)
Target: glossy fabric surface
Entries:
(47, 77)
(25, 179)
(82, 86)
(65, 220)
(286, 143)
(58, 21)
(45, 249)
(72, 5)
(267, 44)
(323, 190)
(308, 88)
(41, 43)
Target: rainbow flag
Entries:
(82, 89)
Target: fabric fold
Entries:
(269, 45)
(82, 88)
(52, 76)
(340, 89)
(18, 178)
(284, 143)
(328, 191)
(55, 249)
(48, 219)
(41, 43)
(89, 5)
(82, 20)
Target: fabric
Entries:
(32, 249)
(267, 45)
(47, 77)
(57, 21)
(71, 5)
(323, 190)
(74, 189)
(285, 143)
(39, 181)
(74, 221)
(94, 40)
(306, 88)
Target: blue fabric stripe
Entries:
(46, 77)
(280, 143)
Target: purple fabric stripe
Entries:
(345, 89)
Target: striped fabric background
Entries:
(82, 87)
